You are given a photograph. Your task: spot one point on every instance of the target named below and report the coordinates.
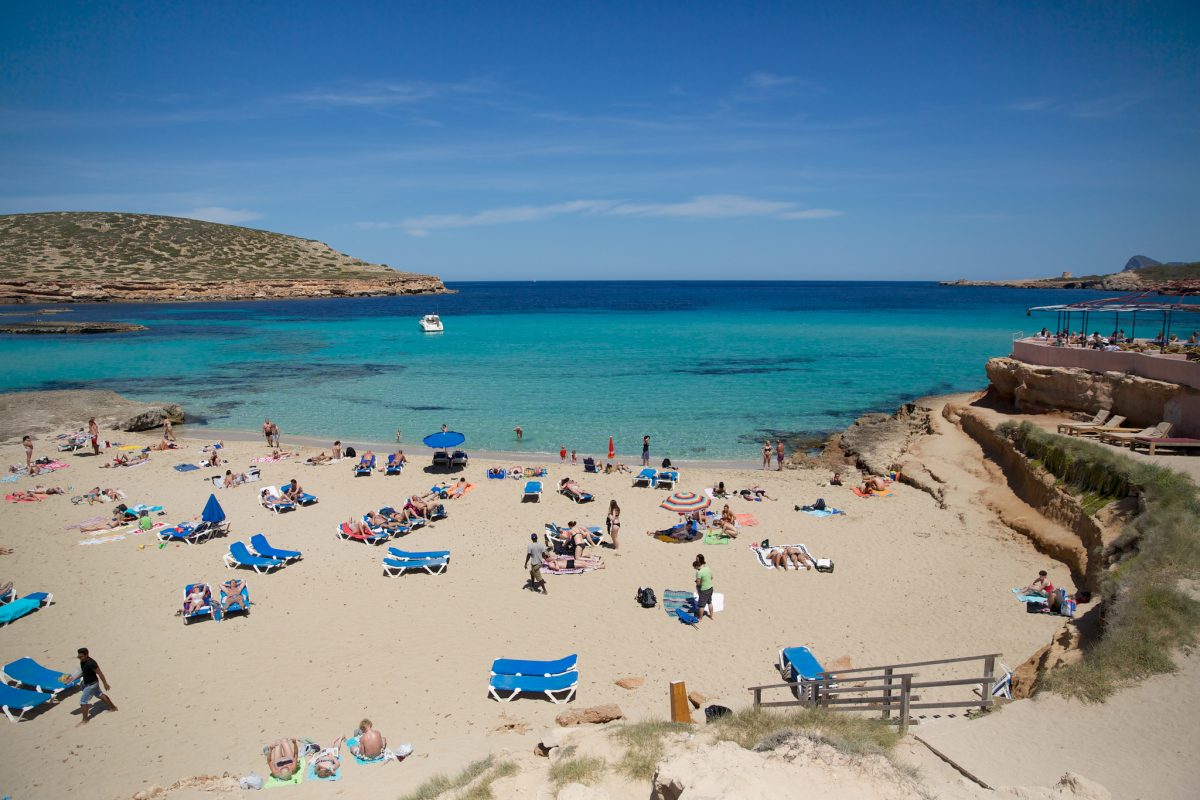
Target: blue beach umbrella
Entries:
(444, 440)
(212, 510)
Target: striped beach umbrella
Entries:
(685, 502)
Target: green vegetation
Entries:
(478, 777)
(576, 769)
(765, 729)
(1147, 615)
(143, 247)
(644, 746)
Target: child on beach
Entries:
(574, 460)
(562, 454)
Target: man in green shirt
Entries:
(704, 587)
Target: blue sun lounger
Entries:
(240, 605)
(31, 674)
(544, 669)
(393, 467)
(533, 491)
(646, 478)
(799, 664)
(187, 532)
(411, 555)
(9, 595)
(273, 500)
(395, 566)
(239, 556)
(364, 468)
(265, 549)
(20, 701)
(206, 610)
(11, 612)
(564, 685)
(667, 479)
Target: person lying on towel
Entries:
(783, 557)
(571, 488)
(551, 561)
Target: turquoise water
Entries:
(706, 369)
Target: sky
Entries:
(656, 140)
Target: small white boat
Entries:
(431, 323)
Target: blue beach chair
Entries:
(667, 479)
(433, 566)
(264, 549)
(564, 685)
(646, 478)
(364, 467)
(205, 610)
(533, 492)
(241, 605)
(187, 532)
(544, 669)
(393, 467)
(20, 701)
(798, 664)
(411, 555)
(240, 556)
(29, 673)
(11, 612)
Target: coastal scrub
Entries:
(1147, 615)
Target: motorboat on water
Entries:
(431, 323)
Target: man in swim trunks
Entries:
(233, 595)
(94, 433)
(292, 491)
(371, 742)
(645, 451)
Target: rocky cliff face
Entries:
(1142, 401)
(62, 291)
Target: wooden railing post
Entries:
(989, 672)
(905, 692)
(887, 693)
(757, 692)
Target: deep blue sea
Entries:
(707, 369)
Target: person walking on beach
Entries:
(614, 522)
(92, 676)
(779, 455)
(704, 587)
(27, 442)
(533, 560)
(645, 451)
(562, 454)
(766, 454)
(519, 432)
(267, 431)
(168, 433)
(274, 435)
(94, 432)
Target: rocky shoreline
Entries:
(42, 328)
(124, 291)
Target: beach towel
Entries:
(185, 467)
(1028, 598)
(297, 777)
(576, 571)
(129, 447)
(312, 775)
(12, 498)
(87, 521)
(745, 519)
(9, 479)
(399, 754)
(761, 553)
(104, 539)
(824, 512)
(716, 537)
(675, 599)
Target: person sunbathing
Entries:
(836, 480)
(798, 558)
(165, 444)
(366, 461)
(232, 480)
(371, 743)
(459, 489)
(292, 491)
(118, 520)
(213, 460)
(755, 493)
(396, 459)
(270, 501)
(719, 491)
(197, 599)
(1040, 587)
(233, 595)
(283, 758)
(578, 537)
(48, 490)
(320, 458)
(327, 762)
(213, 446)
(874, 483)
(418, 505)
(551, 561)
(24, 497)
(380, 522)
(728, 522)
(571, 488)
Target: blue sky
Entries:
(624, 140)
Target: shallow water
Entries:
(706, 369)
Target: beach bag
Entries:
(349, 452)
(819, 505)
(715, 712)
(765, 543)
(1035, 608)
(646, 598)
(824, 565)
(666, 463)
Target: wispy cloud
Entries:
(383, 94)
(716, 206)
(226, 216)
(769, 80)
(1028, 104)
(1104, 107)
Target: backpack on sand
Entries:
(646, 598)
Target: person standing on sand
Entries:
(27, 442)
(614, 522)
(562, 453)
(94, 432)
(704, 587)
(267, 431)
(533, 561)
(779, 455)
(766, 454)
(520, 433)
(645, 451)
(168, 433)
(574, 459)
(274, 435)
(92, 676)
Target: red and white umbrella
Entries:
(685, 502)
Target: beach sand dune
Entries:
(331, 640)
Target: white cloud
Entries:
(1031, 104)
(713, 206)
(768, 80)
(226, 216)
(380, 94)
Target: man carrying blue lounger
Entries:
(92, 676)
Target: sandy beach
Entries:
(331, 640)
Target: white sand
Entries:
(331, 639)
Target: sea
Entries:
(706, 369)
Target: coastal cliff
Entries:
(95, 257)
(1155, 277)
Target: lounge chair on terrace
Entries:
(205, 610)
(29, 673)
(263, 549)
(240, 605)
(11, 612)
(273, 500)
(1152, 445)
(667, 479)
(344, 531)
(395, 566)
(1093, 430)
(1124, 437)
(1099, 419)
(240, 556)
(533, 492)
(20, 701)
(364, 467)
(646, 478)
(564, 684)
(544, 669)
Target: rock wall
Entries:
(51, 291)
(877, 441)
(1143, 402)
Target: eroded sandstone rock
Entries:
(594, 715)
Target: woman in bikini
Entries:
(728, 522)
(28, 444)
(551, 561)
(327, 762)
(614, 522)
(197, 598)
(766, 454)
(283, 758)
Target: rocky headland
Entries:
(1140, 274)
(96, 257)
(51, 412)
